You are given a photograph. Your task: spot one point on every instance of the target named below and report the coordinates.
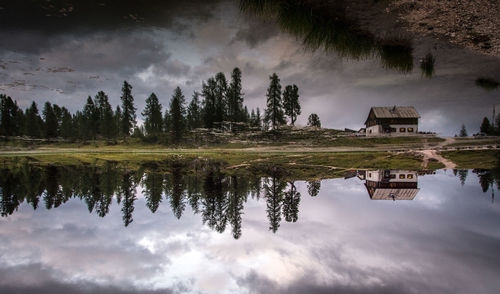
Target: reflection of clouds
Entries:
(343, 242)
(185, 44)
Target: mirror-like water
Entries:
(214, 233)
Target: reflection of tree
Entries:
(176, 186)
(313, 188)
(214, 202)
(53, 196)
(291, 204)
(10, 199)
(153, 188)
(128, 194)
(273, 189)
(194, 194)
(462, 175)
(235, 205)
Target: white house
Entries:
(392, 184)
(392, 121)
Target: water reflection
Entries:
(218, 198)
(339, 239)
(326, 25)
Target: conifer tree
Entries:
(58, 113)
(194, 113)
(274, 115)
(105, 115)
(291, 102)
(34, 123)
(90, 119)
(128, 110)
(220, 97)
(153, 122)
(10, 117)
(177, 114)
(66, 124)
(485, 126)
(235, 97)
(50, 118)
(209, 102)
(117, 121)
(463, 131)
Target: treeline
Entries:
(490, 129)
(218, 198)
(218, 105)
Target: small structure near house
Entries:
(392, 121)
(391, 184)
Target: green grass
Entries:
(465, 159)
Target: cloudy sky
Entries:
(64, 53)
(446, 240)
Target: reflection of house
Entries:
(394, 120)
(392, 184)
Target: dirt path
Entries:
(428, 154)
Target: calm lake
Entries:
(96, 231)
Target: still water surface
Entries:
(219, 234)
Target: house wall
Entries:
(377, 176)
(378, 131)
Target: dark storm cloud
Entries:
(255, 31)
(36, 278)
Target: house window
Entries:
(392, 176)
(409, 176)
(410, 130)
(370, 175)
(401, 176)
(402, 130)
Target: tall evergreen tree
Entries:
(105, 115)
(209, 102)
(34, 123)
(274, 115)
(167, 122)
(90, 119)
(194, 119)
(117, 121)
(177, 114)
(153, 122)
(220, 97)
(463, 131)
(66, 124)
(50, 118)
(235, 97)
(291, 102)
(485, 126)
(58, 113)
(128, 109)
(10, 117)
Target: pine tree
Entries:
(274, 115)
(9, 114)
(50, 118)
(34, 123)
(90, 119)
(105, 115)
(153, 122)
(66, 124)
(235, 97)
(291, 102)
(58, 113)
(128, 110)
(220, 97)
(313, 120)
(177, 114)
(485, 126)
(209, 102)
(117, 121)
(194, 113)
(258, 122)
(463, 131)
(167, 122)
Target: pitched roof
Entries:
(394, 194)
(395, 112)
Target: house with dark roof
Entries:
(392, 120)
(391, 184)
